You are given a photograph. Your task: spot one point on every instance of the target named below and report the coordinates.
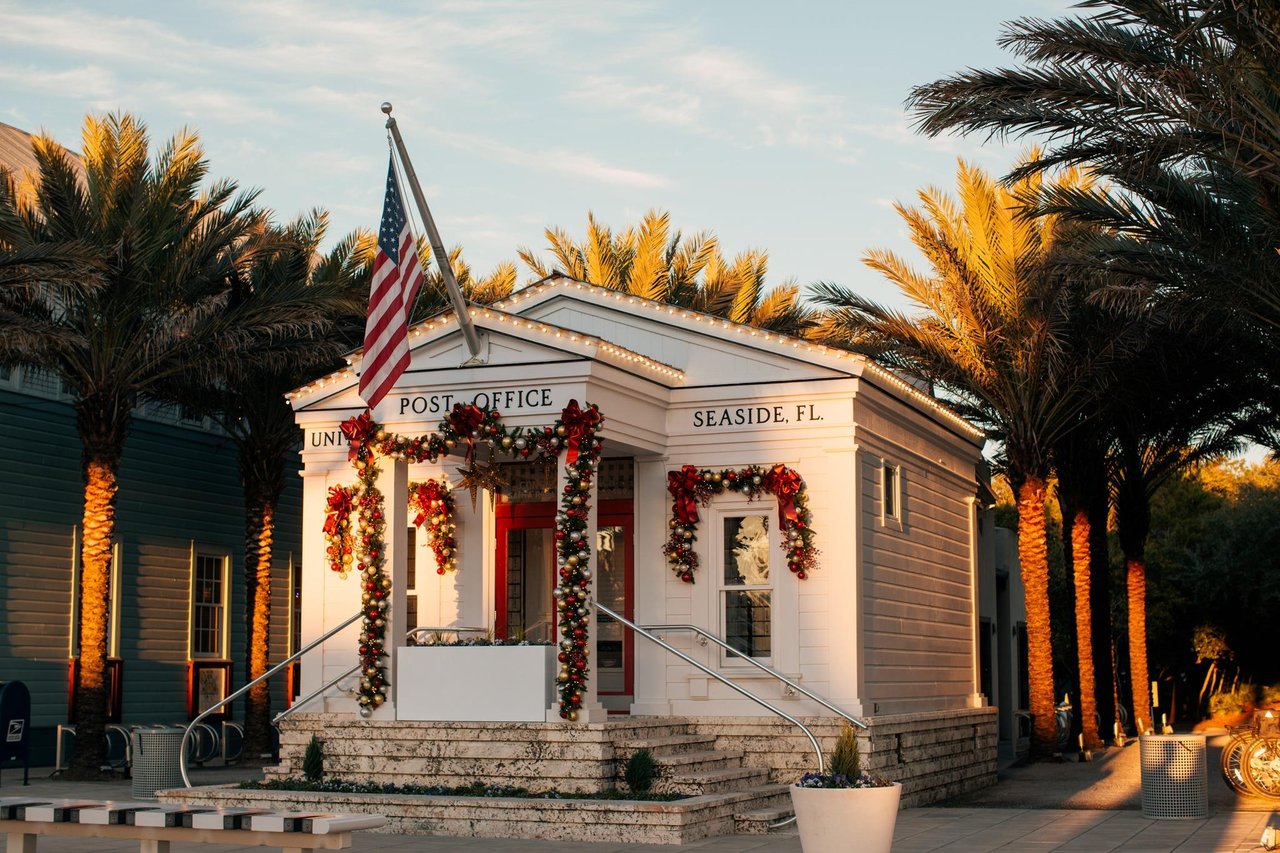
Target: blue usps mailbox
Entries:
(15, 725)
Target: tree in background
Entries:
(327, 295)
(166, 252)
(991, 336)
(652, 261)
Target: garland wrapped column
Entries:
(360, 545)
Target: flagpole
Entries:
(456, 299)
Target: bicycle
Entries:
(1250, 762)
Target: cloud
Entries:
(562, 161)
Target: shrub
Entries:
(313, 760)
(1232, 702)
(641, 770)
(1269, 696)
(846, 760)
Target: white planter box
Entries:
(477, 683)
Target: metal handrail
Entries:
(773, 673)
(298, 703)
(460, 629)
(409, 635)
(186, 734)
(817, 750)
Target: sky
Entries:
(778, 126)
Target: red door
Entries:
(525, 582)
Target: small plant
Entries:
(844, 767)
(313, 760)
(640, 771)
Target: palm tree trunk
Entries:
(103, 422)
(259, 533)
(1033, 553)
(1136, 580)
(1100, 603)
(1081, 570)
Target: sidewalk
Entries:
(1025, 811)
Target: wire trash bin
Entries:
(156, 760)
(1175, 779)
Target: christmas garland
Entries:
(434, 502)
(691, 486)
(576, 433)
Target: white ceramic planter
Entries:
(838, 820)
(477, 683)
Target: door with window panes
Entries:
(526, 568)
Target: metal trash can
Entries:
(1175, 779)
(156, 756)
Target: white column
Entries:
(839, 576)
(315, 581)
(976, 698)
(591, 711)
(652, 582)
(393, 482)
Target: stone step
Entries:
(771, 804)
(664, 746)
(682, 763)
(697, 782)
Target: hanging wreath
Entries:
(691, 486)
(468, 426)
(434, 502)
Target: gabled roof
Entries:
(501, 322)
(526, 314)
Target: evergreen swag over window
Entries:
(363, 549)
(691, 486)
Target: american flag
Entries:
(397, 276)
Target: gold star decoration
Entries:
(487, 477)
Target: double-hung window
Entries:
(746, 585)
(209, 605)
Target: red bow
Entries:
(465, 419)
(426, 493)
(683, 485)
(784, 483)
(358, 430)
(577, 424)
(339, 507)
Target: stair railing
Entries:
(705, 637)
(410, 635)
(742, 691)
(186, 734)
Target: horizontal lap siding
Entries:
(916, 592)
(176, 486)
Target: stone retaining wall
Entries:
(935, 755)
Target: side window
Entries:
(746, 585)
(891, 493)
(208, 605)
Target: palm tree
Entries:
(166, 252)
(992, 338)
(652, 261)
(288, 276)
(434, 297)
(1177, 104)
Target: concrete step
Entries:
(664, 746)
(688, 762)
(697, 782)
(771, 804)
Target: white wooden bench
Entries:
(155, 825)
